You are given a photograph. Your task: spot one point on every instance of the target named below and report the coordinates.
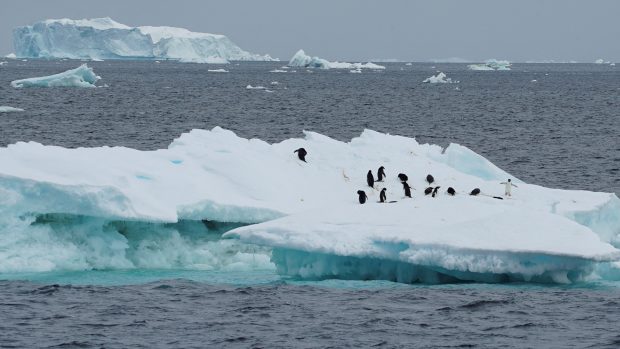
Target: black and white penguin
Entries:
(370, 179)
(428, 190)
(301, 154)
(475, 192)
(430, 179)
(451, 191)
(435, 191)
(382, 196)
(362, 196)
(407, 189)
(380, 174)
(403, 177)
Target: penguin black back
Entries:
(301, 154)
(382, 196)
(428, 190)
(475, 192)
(380, 174)
(430, 179)
(362, 196)
(451, 191)
(370, 179)
(407, 189)
(435, 191)
(403, 177)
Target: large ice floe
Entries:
(213, 200)
(82, 76)
(8, 109)
(491, 64)
(301, 59)
(104, 38)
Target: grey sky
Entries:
(362, 29)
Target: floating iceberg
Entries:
(11, 56)
(217, 70)
(440, 78)
(104, 38)
(250, 87)
(301, 59)
(7, 109)
(82, 76)
(115, 207)
(491, 64)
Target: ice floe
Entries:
(82, 76)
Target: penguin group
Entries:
(433, 191)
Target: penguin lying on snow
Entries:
(428, 190)
(430, 179)
(362, 196)
(475, 192)
(301, 154)
(451, 191)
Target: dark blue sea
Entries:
(555, 125)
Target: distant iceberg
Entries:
(7, 109)
(82, 76)
(104, 38)
(440, 78)
(217, 71)
(301, 59)
(491, 64)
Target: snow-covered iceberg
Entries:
(491, 64)
(104, 38)
(82, 76)
(7, 109)
(440, 78)
(116, 207)
(301, 59)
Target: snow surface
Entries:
(104, 38)
(301, 59)
(308, 212)
(82, 76)
(440, 78)
(491, 64)
(7, 109)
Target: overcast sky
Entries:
(362, 29)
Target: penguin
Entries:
(428, 190)
(301, 154)
(451, 191)
(435, 191)
(380, 174)
(362, 196)
(370, 179)
(403, 177)
(407, 189)
(430, 179)
(382, 196)
(475, 192)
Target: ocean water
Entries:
(558, 131)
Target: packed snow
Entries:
(301, 59)
(491, 64)
(82, 76)
(7, 109)
(306, 214)
(440, 78)
(104, 38)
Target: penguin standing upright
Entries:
(301, 154)
(380, 174)
(435, 191)
(370, 179)
(407, 189)
(362, 196)
(382, 196)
